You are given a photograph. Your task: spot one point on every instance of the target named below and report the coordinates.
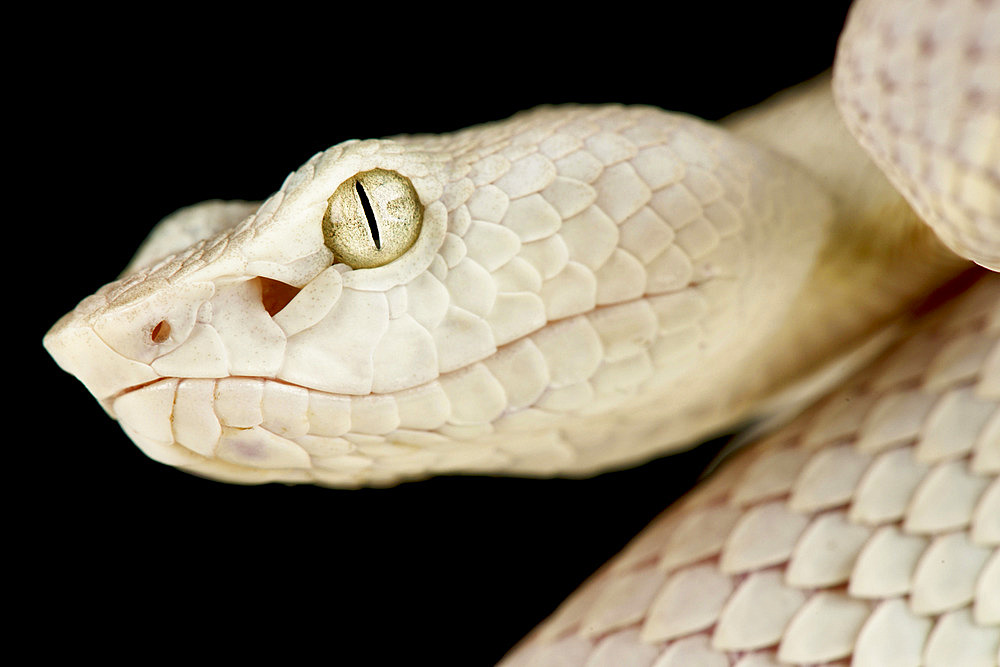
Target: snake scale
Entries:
(611, 174)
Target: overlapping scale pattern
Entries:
(588, 258)
(859, 534)
(933, 132)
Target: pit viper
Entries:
(585, 287)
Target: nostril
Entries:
(160, 333)
(275, 294)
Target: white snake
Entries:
(590, 286)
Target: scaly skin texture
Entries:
(572, 261)
(921, 93)
(865, 532)
(588, 289)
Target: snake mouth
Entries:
(135, 387)
(238, 427)
(108, 402)
(256, 430)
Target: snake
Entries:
(586, 287)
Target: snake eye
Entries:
(372, 218)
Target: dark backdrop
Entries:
(129, 118)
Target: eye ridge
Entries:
(369, 213)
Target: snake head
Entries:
(486, 301)
(264, 313)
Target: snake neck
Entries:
(878, 258)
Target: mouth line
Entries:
(109, 400)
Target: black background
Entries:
(127, 118)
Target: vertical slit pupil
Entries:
(366, 205)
